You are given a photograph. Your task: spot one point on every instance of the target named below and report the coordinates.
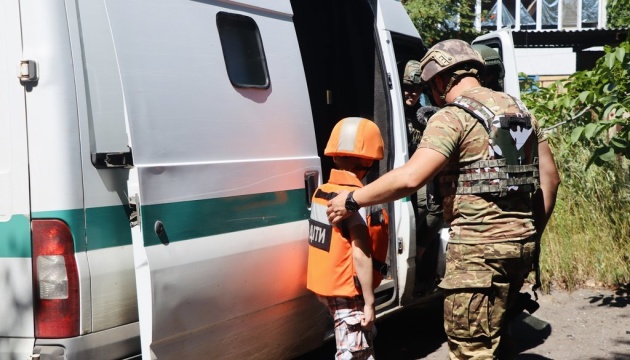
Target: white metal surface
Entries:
(14, 194)
(198, 138)
(102, 128)
(51, 109)
(393, 17)
(16, 306)
(389, 16)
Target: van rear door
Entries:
(16, 280)
(223, 143)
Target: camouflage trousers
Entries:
(352, 340)
(481, 283)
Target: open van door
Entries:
(222, 138)
(351, 51)
(503, 43)
(400, 42)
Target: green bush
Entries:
(587, 120)
(587, 238)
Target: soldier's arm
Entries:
(545, 198)
(396, 184)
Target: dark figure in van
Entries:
(426, 204)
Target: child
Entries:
(340, 260)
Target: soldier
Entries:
(499, 184)
(495, 71)
(427, 211)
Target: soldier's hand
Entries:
(337, 208)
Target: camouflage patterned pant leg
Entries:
(352, 340)
(480, 282)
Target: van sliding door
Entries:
(222, 139)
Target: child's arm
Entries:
(362, 256)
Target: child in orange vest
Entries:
(346, 262)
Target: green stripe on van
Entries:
(194, 219)
(109, 226)
(15, 237)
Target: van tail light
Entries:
(55, 280)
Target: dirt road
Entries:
(583, 324)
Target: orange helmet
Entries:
(355, 136)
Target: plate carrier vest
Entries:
(512, 163)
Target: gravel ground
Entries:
(582, 324)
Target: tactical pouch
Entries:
(467, 313)
(466, 279)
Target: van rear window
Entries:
(243, 51)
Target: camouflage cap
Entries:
(447, 54)
(412, 73)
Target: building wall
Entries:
(547, 61)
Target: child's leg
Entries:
(353, 342)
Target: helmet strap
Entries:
(458, 74)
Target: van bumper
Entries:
(16, 348)
(117, 343)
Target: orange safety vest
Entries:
(330, 262)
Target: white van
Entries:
(158, 160)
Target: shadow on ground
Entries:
(619, 298)
(529, 332)
(412, 334)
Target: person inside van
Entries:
(427, 209)
(342, 257)
(495, 72)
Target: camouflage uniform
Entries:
(492, 239)
(428, 212)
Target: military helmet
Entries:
(412, 73)
(446, 55)
(491, 59)
(355, 136)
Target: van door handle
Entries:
(310, 184)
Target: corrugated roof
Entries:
(573, 38)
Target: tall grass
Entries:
(587, 241)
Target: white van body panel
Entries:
(102, 129)
(55, 171)
(16, 307)
(393, 17)
(201, 153)
(51, 109)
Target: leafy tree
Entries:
(438, 20)
(618, 12)
(594, 105)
